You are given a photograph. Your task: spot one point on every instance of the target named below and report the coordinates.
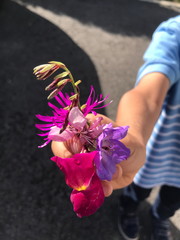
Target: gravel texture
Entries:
(102, 43)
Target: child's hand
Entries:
(125, 170)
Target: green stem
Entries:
(73, 83)
(71, 77)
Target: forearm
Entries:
(140, 107)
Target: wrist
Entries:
(137, 136)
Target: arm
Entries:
(139, 108)
(143, 105)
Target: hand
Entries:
(125, 171)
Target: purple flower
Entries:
(111, 151)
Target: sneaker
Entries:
(160, 229)
(128, 224)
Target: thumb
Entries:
(108, 186)
(59, 149)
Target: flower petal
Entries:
(119, 132)
(120, 153)
(59, 137)
(111, 151)
(93, 102)
(89, 201)
(76, 118)
(78, 170)
(105, 168)
(74, 145)
(96, 128)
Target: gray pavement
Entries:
(102, 42)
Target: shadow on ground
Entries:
(126, 17)
(34, 201)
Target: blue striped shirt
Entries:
(163, 149)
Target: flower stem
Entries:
(76, 91)
(71, 77)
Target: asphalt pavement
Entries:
(102, 43)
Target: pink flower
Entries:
(55, 134)
(75, 145)
(54, 124)
(76, 119)
(85, 140)
(77, 122)
(79, 170)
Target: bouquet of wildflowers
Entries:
(95, 147)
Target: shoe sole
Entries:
(124, 235)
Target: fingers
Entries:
(118, 172)
(109, 186)
(105, 120)
(60, 150)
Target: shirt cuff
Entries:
(161, 68)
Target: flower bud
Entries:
(44, 71)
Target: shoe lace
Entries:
(130, 219)
(162, 227)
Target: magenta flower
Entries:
(90, 200)
(76, 119)
(111, 151)
(93, 103)
(85, 139)
(58, 118)
(79, 170)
